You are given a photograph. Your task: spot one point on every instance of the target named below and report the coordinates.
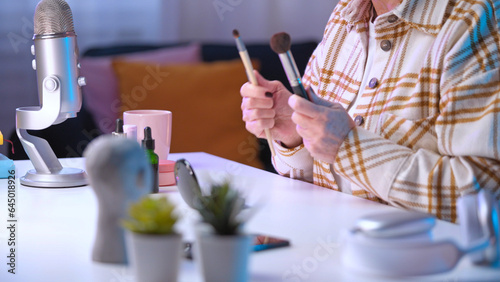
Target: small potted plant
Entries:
(153, 248)
(223, 248)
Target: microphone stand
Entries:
(48, 171)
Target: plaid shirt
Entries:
(429, 125)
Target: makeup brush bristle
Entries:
(281, 42)
(236, 33)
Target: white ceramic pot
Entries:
(154, 257)
(223, 258)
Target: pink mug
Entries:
(160, 122)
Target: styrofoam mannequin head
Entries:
(117, 168)
(120, 175)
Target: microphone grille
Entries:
(53, 17)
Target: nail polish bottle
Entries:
(148, 143)
(119, 128)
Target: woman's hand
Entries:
(266, 107)
(323, 126)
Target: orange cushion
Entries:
(204, 100)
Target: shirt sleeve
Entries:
(466, 154)
(295, 163)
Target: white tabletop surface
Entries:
(56, 229)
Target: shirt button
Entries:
(373, 82)
(392, 18)
(359, 120)
(386, 45)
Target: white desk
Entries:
(56, 229)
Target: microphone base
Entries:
(65, 178)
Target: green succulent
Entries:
(151, 216)
(222, 208)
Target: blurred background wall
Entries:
(108, 22)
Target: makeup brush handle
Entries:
(270, 141)
(245, 58)
(299, 90)
(247, 63)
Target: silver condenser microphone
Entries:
(56, 54)
(59, 92)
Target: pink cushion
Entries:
(100, 95)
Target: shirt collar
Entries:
(425, 15)
(355, 11)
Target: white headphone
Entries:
(400, 244)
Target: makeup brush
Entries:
(281, 43)
(251, 77)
